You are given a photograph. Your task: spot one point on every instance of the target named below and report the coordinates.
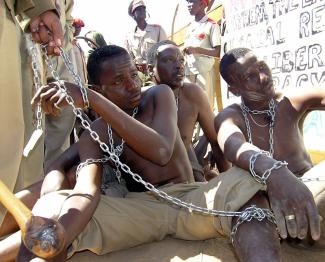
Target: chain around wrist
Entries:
(266, 174)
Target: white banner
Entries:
(289, 35)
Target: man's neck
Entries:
(260, 106)
(142, 25)
(199, 16)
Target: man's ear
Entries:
(234, 89)
(97, 88)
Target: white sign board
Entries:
(290, 36)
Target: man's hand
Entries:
(293, 206)
(190, 50)
(52, 98)
(47, 29)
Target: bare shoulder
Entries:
(231, 114)
(159, 91)
(100, 127)
(194, 92)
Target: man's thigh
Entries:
(121, 223)
(229, 191)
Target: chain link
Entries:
(247, 215)
(37, 83)
(118, 150)
(263, 178)
(269, 112)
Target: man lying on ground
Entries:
(166, 66)
(155, 150)
(262, 136)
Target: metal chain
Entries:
(263, 178)
(249, 213)
(37, 83)
(91, 161)
(75, 76)
(270, 112)
(118, 150)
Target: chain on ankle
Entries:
(250, 213)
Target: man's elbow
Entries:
(164, 155)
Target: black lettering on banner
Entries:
(301, 79)
(287, 82)
(312, 22)
(277, 66)
(306, 3)
(314, 79)
(304, 25)
(314, 56)
(318, 78)
(287, 63)
(301, 59)
(282, 7)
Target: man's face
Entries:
(194, 6)
(140, 13)
(120, 82)
(77, 30)
(252, 79)
(169, 67)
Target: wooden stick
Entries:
(43, 236)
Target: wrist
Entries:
(263, 176)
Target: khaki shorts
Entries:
(121, 223)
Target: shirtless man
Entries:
(154, 149)
(270, 122)
(166, 65)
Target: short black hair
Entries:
(99, 56)
(230, 58)
(152, 52)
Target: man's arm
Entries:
(206, 121)
(288, 196)
(155, 143)
(81, 204)
(307, 99)
(56, 174)
(215, 41)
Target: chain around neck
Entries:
(118, 150)
(270, 112)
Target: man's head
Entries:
(166, 63)
(247, 76)
(137, 10)
(196, 6)
(96, 39)
(78, 24)
(114, 75)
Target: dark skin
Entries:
(193, 105)
(139, 16)
(155, 125)
(197, 9)
(252, 80)
(44, 23)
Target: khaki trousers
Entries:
(16, 171)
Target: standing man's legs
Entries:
(59, 128)
(11, 106)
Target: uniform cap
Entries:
(133, 5)
(77, 22)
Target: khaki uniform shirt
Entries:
(206, 34)
(139, 42)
